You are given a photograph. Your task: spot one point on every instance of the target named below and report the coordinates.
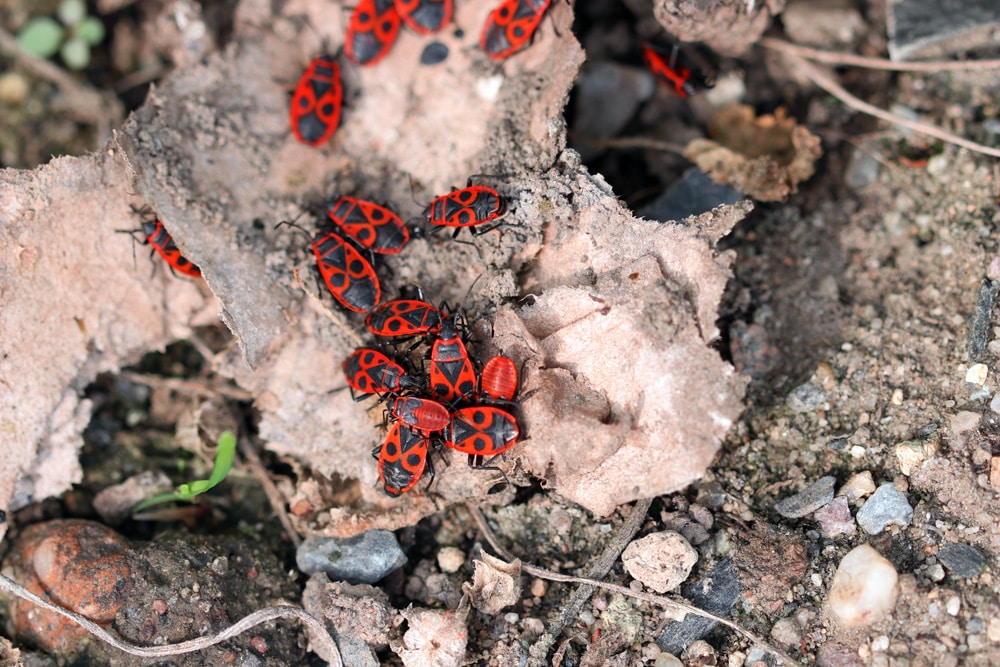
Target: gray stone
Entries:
(807, 501)
(693, 194)
(961, 560)
(716, 593)
(362, 559)
(932, 28)
(806, 398)
(608, 95)
(886, 507)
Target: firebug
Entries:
(351, 278)
(317, 101)
(402, 459)
(509, 27)
(372, 31)
(498, 381)
(369, 372)
(481, 431)
(157, 237)
(467, 207)
(372, 226)
(420, 414)
(425, 16)
(451, 375)
(404, 317)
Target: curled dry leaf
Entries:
(495, 584)
(434, 638)
(359, 616)
(765, 157)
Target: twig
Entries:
(599, 570)
(188, 386)
(840, 58)
(826, 82)
(273, 495)
(629, 142)
(88, 104)
(673, 604)
(322, 644)
(338, 321)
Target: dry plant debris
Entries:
(495, 584)
(765, 157)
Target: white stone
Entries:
(859, 485)
(450, 559)
(864, 588)
(977, 374)
(661, 561)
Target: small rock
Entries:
(14, 87)
(995, 472)
(753, 352)
(993, 630)
(451, 559)
(887, 506)
(927, 29)
(862, 169)
(909, 455)
(977, 374)
(864, 588)
(667, 660)
(694, 194)
(964, 421)
(823, 23)
(995, 403)
(835, 518)
(962, 560)
(661, 561)
(362, 559)
(858, 486)
(810, 499)
(114, 503)
(716, 593)
(833, 654)
(787, 631)
(935, 572)
(608, 95)
(953, 605)
(806, 398)
(80, 565)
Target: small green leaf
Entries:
(75, 53)
(41, 36)
(71, 12)
(224, 455)
(90, 30)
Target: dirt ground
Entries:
(861, 312)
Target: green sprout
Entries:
(224, 455)
(72, 36)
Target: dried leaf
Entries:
(765, 157)
(495, 584)
(434, 638)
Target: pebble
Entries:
(935, 572)
(929, 29)
(450, 559)
(716, 593)
(362, 559)
(962, 560)
(830, 24)
(787, 631)
(993, 630)
(692, 194)
(953, 605)
(608, 95)
(862, 169)
(964, 421)
(114, 503)
(661, 561)
(995, 403)
(81, 565)
(806, 398)
(910, 454)
(977, 374)
(887, 506)
(807, 501)
(667, 660)
(835, 518)
(864, 588)
(858, 486)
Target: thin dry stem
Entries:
(273, 495)
(659, 600)
(630, 142)
(827, 83)
(322, 644)
(188, 386)
(852, 60)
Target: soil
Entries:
(856, 311)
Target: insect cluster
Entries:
(435, 397)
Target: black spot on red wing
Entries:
(414, 461)
(336, 280)
(368, 357)
(479, 417)
(518, 33)
(390, 450)
(376, 214)
(481, 443)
